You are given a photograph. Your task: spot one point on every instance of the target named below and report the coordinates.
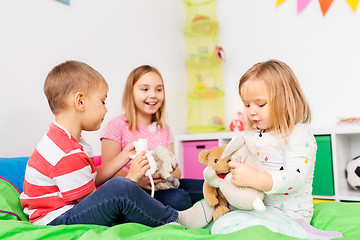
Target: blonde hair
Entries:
(129, 103)
(67, 78)
(287, 103)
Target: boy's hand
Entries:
(128, 150)
(139, 166)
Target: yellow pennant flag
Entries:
(353, 4)
(278, 2)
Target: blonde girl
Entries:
(278, 116)
(144, 106)
(277, 112)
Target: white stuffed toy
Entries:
(166, 162)
(141, 145)
(160, 158)
(239, 149)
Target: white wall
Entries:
(116, 36)
(323, 51)
(112, 36)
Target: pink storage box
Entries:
(192, 167)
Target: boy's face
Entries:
(95, 109)
(256, 101)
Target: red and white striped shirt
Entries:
(58, 172)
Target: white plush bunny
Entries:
(239, 149)
(166, 161)
(141, 145)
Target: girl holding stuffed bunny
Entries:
(278, 116)
(144, 105)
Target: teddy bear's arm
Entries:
(211, 178)
(210, 195)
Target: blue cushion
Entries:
(13, 170)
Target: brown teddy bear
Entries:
(218, 189)
(213, 196)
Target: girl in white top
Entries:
(278, 115)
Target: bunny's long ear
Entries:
(235, 143)
(249, 142)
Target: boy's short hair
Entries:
(67, 78)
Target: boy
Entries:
(61, 178)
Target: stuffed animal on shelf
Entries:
(218, 189)
(166, 162)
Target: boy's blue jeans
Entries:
(119, 200)
(188, 193)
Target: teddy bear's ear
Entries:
(203, 156)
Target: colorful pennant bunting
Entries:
(325, 5)
(278, 2)
(353, 4)
(301, 4)
(67, 2)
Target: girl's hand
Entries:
(145, 181)
(139, 166)
(176, 173)
(244, 175)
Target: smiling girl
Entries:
(144, 106)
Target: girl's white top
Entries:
(291, 165)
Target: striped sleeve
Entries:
(74, 175)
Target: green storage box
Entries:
(323, 183)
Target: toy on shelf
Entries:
(352, 173)
(201, 25)
(349, 120)
(200, 85)
(200, 17)
(236, 126)
(220, 53)
(239, 124)
(203, 51)
(202, 89)
(202, 60)
(216, 120)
